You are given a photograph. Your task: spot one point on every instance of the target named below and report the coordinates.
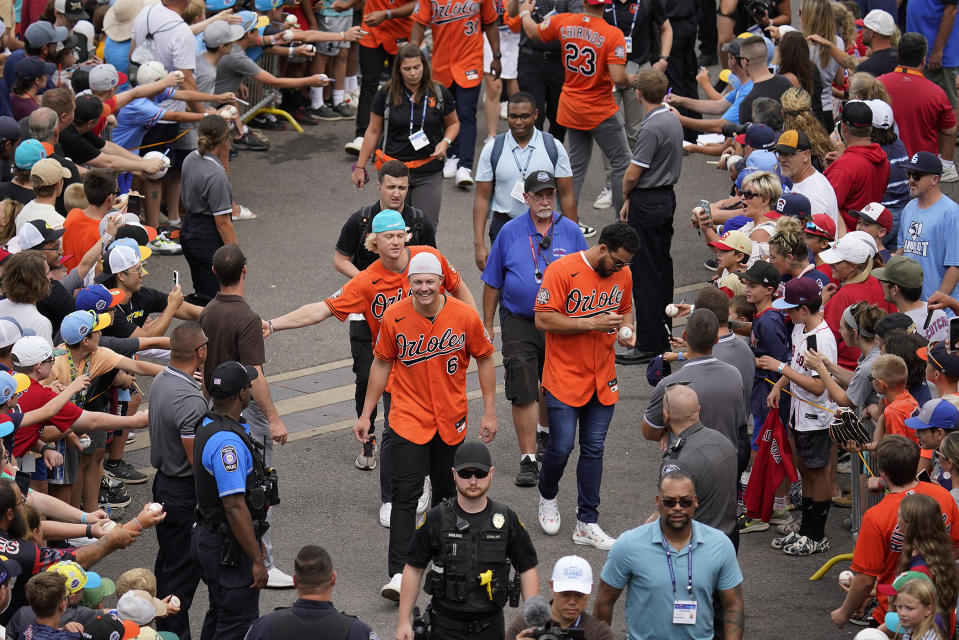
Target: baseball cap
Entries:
(31, 68)
(78, 325)
(266, 5)
(797, 292)
(882, 117)
(49, 172)
(792, 141)
(656, 370)
(9, 569)
(143, 251)
(856, 113)
(758, 136)
(892, 321)
(735, 47)
(251, 20)
(12, 383)
(140, 607)
(10, 331)
(107, 627)
(28, 153)
(733, 241)
(86, 28)
(901, 580)
(77, 578)
(35, 233)
(424, 262)
(875, 212)
(902, 271)
(93, 595)
(120, 258)
(539, 180)
(9, 129)
(472, 455)
(98, 298)
(855, 247)
(879, 21)
(72, 9)
(221, 32)
(924, 162)
(42, 33)
(88, 108)
(30, 350)
(937, 413)
(763, 160)
(743, 175)
(388, 220)
(762, 273)
(821, 225)
(791, 204)
(150, 72)
(939, 357)
(219, 5)
(230, 377)
(572, 573)
(118, 21)
(140, 233)
(104, 77)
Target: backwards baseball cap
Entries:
(30, 350)
(140, 607)
(107, 627)
(879, 21)
(78, 325)
(42, 33)
(35, 233)
(855, 247)
(875, 213)
(735, 47)
(792, 141)
(150, 72)
(104, 77)
(821, 225)
(231, 377)
(92, 596)
(120, 258)
(901, 580)
(143, 251)
(77, 578)
(472, 455)
(761, 272)
(791, 204)
(797, 292)
(28, 153)
(388, 220)
(539, 180)
(221, 32)
(733, 241)
(72, 9)
(882, 117)
(10, 331)
(12, 384)
(924, 162)
(758, 136)
(937, 413)
(424, 262)
(31, 68)
(49, 172)
(893, 321)
(939, 357)
(251, 20)
(572, 573)
(856, 113)
(132, 228)
(902, 271)
(98, 298)
(9, 129)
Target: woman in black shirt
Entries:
(412, 119)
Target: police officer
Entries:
(234, 492)
(472, 541)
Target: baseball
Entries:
(109, 526)
(85, 441)
(288, 35)
(228, 113)
(845, 578)
(625, 333)
(154, 508)
(174, 601)
(672, 310)
(166, 164)
(291, 19)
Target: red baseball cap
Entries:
(876, 213)
(822, 225)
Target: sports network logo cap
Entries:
(572, 573)
(539, 180)
(11, 384)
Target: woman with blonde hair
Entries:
(759, 193)
(798, 115)
(8, 214)
(816, 19)
(865, 86)
(949, 460)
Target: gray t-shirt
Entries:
(731, 350)
(205, 187)
(205, 75)
(860, 389)
(659, 149)
(232, 69)
(176, 407)
(711, 461)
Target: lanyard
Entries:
(689, 565)
(529, 157)
(535, 250)
(914, 72)
(413, 108)
(631, 26)
(80, 397)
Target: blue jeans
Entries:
(465, 143)
(594, 419)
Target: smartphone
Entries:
(924, 476)
(176, 278)
(705, 205)
(811, 343)
(133, 203)
(953, 334)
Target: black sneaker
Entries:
(345, 111)
(267, 121)
(542, 439)
(303, 116)
(123, 470)
(112, 496)
(251, 142)
(711, 264)
(325, 112)
(528, 475)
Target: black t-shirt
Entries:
(400, 126)
(649, 15)
(353, 234)
(134, 313)
(32, 560)
(57, 305)
(9, 190)
(80, 147)
(880, 62)
(773, 88)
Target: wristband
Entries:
(389, 14)
(83, 518)
(779, 369)
(89, 530)
(497, 56)
(269, 323)
(47, 447)
(525, 12)
(290, 54)
(681, 357)
(342, 35)
(138, 524)
(447, 141)
(666, 58)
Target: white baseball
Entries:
(291, 19)
(625, 333)
(179, 75)
(109, 526)
(85, 441)
(174, 601)
(845, 578)
(288, 35)
(154, 508)
(672, 310)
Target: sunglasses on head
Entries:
(466, 474)
(669, 503)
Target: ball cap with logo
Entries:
(797, 292)
(875, 213)
(98, 298)
(118, 258)
(472, 455)
(28, 153)
(924, 162)
(9, 569)
(36, 233)
(572, 573)
(902, 271)
(107, 627)
(72, 9)
(795, 205)
(882, 117)
(761, 272)
(901, 580)
(856, 113)
(78, 325)
(77, 578)
(30, 350)
(855, 247)
(941, 360)
(733, 241)
(12, 384)
(539, 180)
(424, 262)
(937, 413)
(822, 225)
(388, 220)
(758, 136)
(231, 377)
(104, 77)
(792, 141)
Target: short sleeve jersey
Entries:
(589, 46)
(429, 367)
(389, 34)
(138, 116)
(353, 234)
(895, 414)
(35, 397)
(99, 362)
(375, 288)
(457, 27)
(80, 233)
(32, 560)
(805, 415)
(226, 457)
(581, 364)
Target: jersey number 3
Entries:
(580, 60)
(470, 28)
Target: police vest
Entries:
(471, 574)
(260, 492)
(286, 625)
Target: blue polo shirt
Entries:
(228, 459)
(637, 561)
(516, 256)
(515, 163)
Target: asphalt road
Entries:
(302, 194)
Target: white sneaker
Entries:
(164, 246)
(353, 146)
(604, 200)
(276, 579)
(592, 535)
(245, 214)
(949, 175)
(391, 590)
(424, 502)
(549, 519)
(463, 177)
(386, 510)
(449, 168)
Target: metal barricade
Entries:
(262, 99)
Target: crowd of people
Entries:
(834, 281)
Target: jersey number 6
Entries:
(580, 60)
(452, 365)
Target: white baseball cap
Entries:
(855, 247)
(572, 573)
(30, 350)
(10, 331)
(881, 113)
(880, 21)
(424, 262)
(151, 72)
(140, 607)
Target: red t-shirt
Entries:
(80, 232)
(869, 290)
(35, 397)
(920, 107)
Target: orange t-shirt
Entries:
(879, 545)
(80, 233)
(581, 364)
(109, 108)
(457, 27)
(894, 418)
(389, 34)
(428, 379)
(375, 288)
(589, 46)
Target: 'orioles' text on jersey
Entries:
(375, 288)
(581, 364)
(428, 380)
(457, 27)
(589, 45)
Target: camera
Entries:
(757, 9)
(731, 130)
(554, 632)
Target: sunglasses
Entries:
(669, 503)
(747, 194)
(205, 342)
(915, 175)
(466, 474)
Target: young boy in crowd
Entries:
(47, 595)
(876, 220)
(938, 418)
(76, 580)
(889, 375)
(732, 253)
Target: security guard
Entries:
(234, 491)
(472, 542)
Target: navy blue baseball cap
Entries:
(923, 162)
(795, 205)
(937, 413)
(657, 369)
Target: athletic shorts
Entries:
(160, 136)
(509, 47)
(813, 448)
(524, 352)
(333, 24)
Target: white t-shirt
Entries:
(34, 210)
(804, 416)
(28, 317)
(174, 42)
(938, 328)
(827, 74)
(822, 197)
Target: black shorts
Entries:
(813, 448)
(524, 352)
(164, 133)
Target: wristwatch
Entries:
(666, 58)
(497, 56)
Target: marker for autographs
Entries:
(242, 101)
(925, 325)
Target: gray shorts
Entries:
(813, 448)
(98, 440)
(333, 24)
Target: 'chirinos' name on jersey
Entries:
(582, 33)
(578, 304)
(422, 349)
